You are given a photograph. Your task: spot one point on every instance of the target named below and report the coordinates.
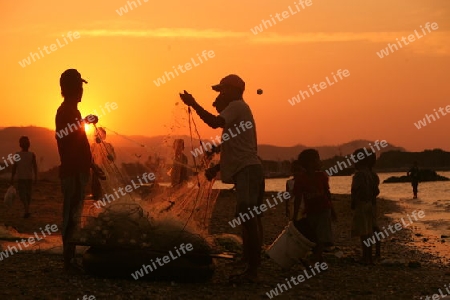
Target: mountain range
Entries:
(135, 148)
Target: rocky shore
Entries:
(406, 270)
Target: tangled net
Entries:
(138, 211)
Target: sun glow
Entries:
(89, 129)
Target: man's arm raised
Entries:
(210, 119)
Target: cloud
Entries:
(434, 42)
(165, 33)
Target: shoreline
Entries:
(409, 269)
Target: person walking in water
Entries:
(413, 173)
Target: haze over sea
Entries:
(434, 198)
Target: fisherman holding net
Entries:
(75, 155)
(239, 163)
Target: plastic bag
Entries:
(10, 196)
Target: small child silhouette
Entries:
(24, 168)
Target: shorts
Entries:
(249, 183)
(73, 189)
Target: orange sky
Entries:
(121, 56)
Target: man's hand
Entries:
(211, 173)
(187, 98)
(91, 119)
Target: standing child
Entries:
(25, 167)
(179, 173)
(103, 155)
(362, 195)
(376, 228)
(313, 189)
(296, 170)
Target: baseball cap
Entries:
(70, 77)
(231, 80)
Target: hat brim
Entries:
(217, 87)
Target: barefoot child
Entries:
(312, 187)
(362, 195)
(25, 167)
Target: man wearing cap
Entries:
(75, 155)
(239, 162)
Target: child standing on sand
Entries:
(295, 169)
(362, 194)
(25, 168)
(372, 160)
(312, 188)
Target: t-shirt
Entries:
(314, 191)
(24, 167)
(239, 142)
(73, 145)
(364, 186)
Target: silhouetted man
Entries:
(75, 156)
(239, 162)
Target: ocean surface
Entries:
(428, 191)
(434, 199)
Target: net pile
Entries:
(140, 211)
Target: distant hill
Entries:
(138, 148)
(270, 152)
(435, 159)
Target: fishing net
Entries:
(157, 204)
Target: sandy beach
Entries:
(413, 264)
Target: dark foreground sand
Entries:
(40, 275)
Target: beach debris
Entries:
(339, 254)
(230, 242)
(391, 262)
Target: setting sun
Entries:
(89, 129)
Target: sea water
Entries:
(434, 200)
